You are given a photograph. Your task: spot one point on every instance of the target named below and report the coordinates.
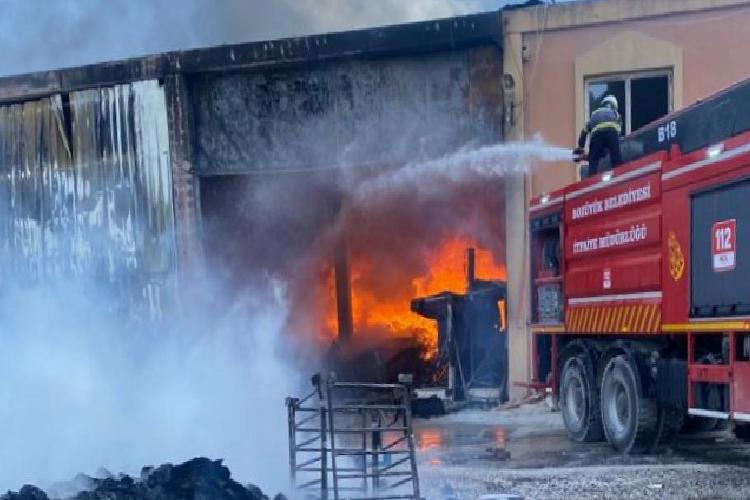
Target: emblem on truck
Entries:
(676, 259)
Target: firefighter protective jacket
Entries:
(602, 118)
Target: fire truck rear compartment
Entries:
(718, 291)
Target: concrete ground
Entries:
(454, 462)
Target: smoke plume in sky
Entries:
(41, 34)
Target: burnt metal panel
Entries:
(470, 334)
(403, 39)
(347, 113)
(45, 83)
(86, 193)
(35, 158)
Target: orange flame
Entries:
(429, 439)
(389, 313)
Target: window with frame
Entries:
(643, 97)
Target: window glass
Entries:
(599, 90)
(642, 98)
(650, 100)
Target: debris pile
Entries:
(196, 479)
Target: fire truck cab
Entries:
(640, 282)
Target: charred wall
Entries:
(365, 111)
(185, 185)
(278, 152)
(379, 96)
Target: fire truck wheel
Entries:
(629, 419)
(579, 402)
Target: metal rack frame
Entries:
(353, 441)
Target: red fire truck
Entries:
(640, 280)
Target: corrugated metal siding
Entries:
(86, 192)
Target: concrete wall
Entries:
(347, 113)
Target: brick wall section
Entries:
(185, 184)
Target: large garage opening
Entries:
(328, 180)
(352, 265)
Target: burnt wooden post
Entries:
(343, 290)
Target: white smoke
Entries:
(89, 31)
(80, 391)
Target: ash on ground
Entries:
(458, 460)
(196, 479)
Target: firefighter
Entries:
(604, 126)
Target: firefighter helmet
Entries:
(611, 101)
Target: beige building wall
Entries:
(704, 49)
(550, 50)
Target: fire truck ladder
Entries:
(353, 441)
